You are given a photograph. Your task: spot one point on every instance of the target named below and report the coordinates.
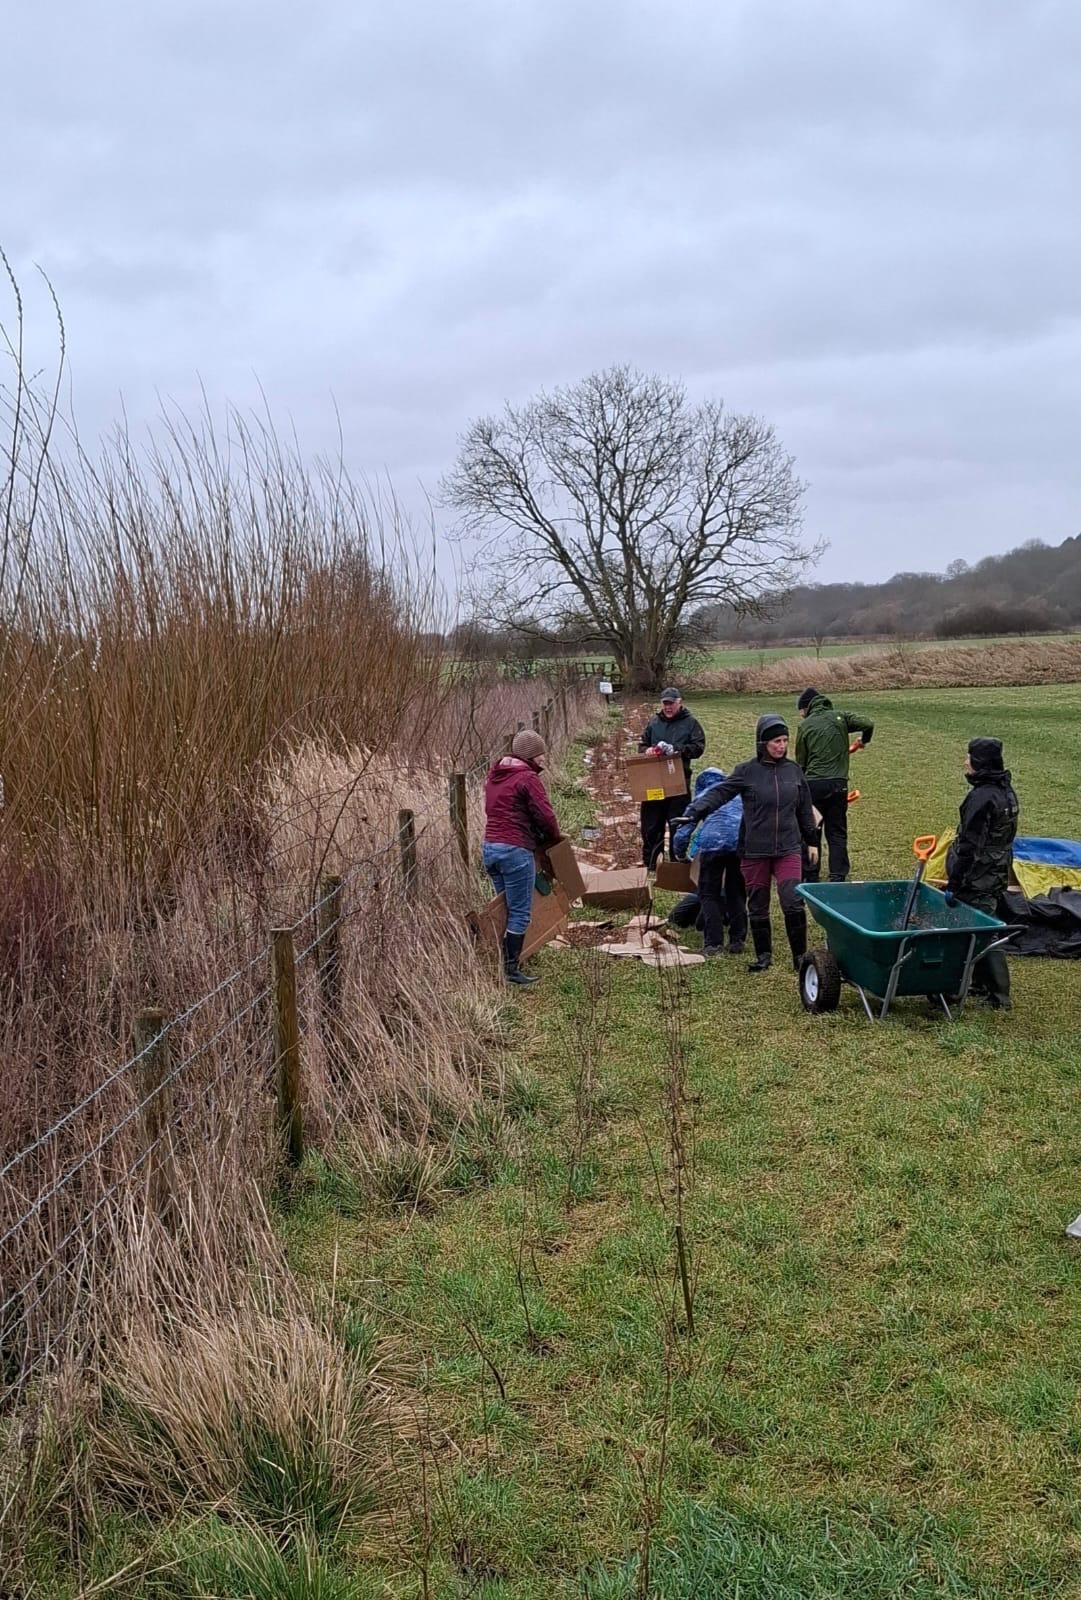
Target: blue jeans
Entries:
(513, 871)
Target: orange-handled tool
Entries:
(923, 849)
(857, 744)
(853, 796)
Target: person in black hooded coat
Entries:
(978, 860)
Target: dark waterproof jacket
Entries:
(978, 860)
(822, 739)
(683, 732)
(517, 807)
(777, 813)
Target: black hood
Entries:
(986, 756)
(769, 727)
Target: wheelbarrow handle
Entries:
(923, 848)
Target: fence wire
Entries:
(364, 871)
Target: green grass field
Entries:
(881, 1396)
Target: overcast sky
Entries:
(859, 218)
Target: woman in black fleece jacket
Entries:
(778, 819)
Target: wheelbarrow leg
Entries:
(966, 976)
(866, 1004)
(903, 953)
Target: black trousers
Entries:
(687, 912)
(830, 796)
(657, 818)
(723, 895)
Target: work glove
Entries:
(949, 897)
(680, 840)
(666, 749)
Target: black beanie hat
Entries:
(805, 699)
(986, 755)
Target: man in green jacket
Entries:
(822, 750)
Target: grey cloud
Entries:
(859, 219)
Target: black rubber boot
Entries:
(995, 972)
(795, 925)
(762, 935)
(512, 952)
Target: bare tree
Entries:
(618, 502)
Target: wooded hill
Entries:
(1033, 589)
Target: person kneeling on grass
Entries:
(978, 860)
(519, 821)
(721, 891)
(778, 818)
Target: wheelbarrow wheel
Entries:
(819, 982)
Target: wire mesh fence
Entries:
(254, 1062)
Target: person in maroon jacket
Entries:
(519, 822)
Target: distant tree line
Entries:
(1035, 588)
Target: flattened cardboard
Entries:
(566, 869)
(624, 889)
(655, 777)
(548, 918)
(675, 876)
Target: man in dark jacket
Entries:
(822, 750)
(673, 731)
(978, 860)
(778, 819)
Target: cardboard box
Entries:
(655, 777)
(674, 875)
(625, 889)
(565, 869)
(548, 918)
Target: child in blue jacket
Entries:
(721, 890)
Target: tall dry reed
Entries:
(220, 680)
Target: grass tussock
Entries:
(1004, 663)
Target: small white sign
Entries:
(605, 686)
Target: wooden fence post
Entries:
(563, 711)
(156, 1094)
(459, 814)
(287, 1043)
(536, 722)
(407, 844)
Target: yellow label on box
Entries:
(654, 794)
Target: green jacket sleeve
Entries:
(861, 725)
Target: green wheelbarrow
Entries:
(889, 939)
